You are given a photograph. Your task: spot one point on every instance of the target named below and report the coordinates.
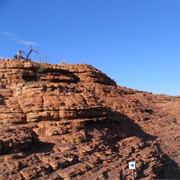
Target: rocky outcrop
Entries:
(73, 122)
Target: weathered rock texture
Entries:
(74, 122)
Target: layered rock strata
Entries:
(73, 122)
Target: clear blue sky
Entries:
(135, 42)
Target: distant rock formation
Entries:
(73, 122)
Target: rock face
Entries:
(73, 122)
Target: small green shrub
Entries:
(63, 62)
(43, 65)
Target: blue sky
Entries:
(135, 42)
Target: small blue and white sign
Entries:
(132, 165)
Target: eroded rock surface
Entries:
(73, 122)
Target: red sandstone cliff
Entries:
(73, 122)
